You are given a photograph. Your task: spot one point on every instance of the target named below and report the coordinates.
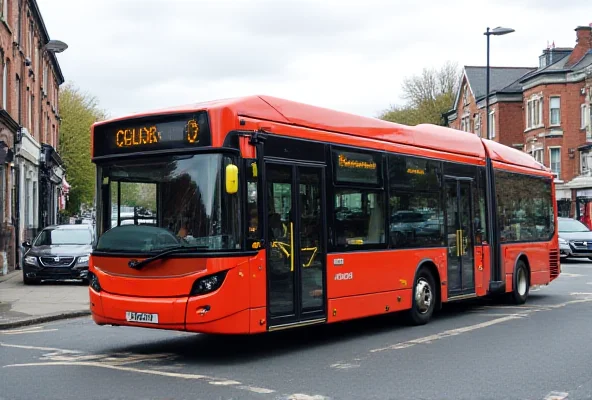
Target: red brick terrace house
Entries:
(544, 111)
(557, 119)
(505, 104)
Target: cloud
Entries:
(136, 55)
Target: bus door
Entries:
(459, 230)
(296, 256)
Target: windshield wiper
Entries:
(135, 264)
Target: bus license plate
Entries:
(141, 317)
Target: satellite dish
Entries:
(56, 46)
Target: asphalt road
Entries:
(471, 350)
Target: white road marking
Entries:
(299, 396)
(20, 346)
(257, 389)
(32, 329)
(570, 275)
(208, 379)
(470, 328)
(344, 365)
(445, 334)
(556, 396)
(25, 332)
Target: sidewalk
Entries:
(22, 305)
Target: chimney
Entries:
(583, 44)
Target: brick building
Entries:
(544, 111)
(31, 172)
(557, 118)
(505, 104)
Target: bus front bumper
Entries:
(158, 313)
(174, 313)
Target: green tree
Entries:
(428, 95)
(79, 110)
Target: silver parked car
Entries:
(575, 239)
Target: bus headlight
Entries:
(93, 282)
(208, 284)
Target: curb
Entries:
(10, 275)
(41, 319)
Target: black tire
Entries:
(420, 312)
(520, 283)
(30, 281)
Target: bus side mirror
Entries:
(231, 179)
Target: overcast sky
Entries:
(138, 55)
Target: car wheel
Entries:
(30, 281)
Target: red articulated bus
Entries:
(256, 214)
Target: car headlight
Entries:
(82, 260)
(31, 260)
(562, 241)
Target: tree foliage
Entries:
(428, 95)
(79, 111)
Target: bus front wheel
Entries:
(424, 298)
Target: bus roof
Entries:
(299, 114)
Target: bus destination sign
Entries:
(154, 133)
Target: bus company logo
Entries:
(347, 163)
(345, 276)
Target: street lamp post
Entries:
(497, 32)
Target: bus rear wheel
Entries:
(521, 284)
(424, 298)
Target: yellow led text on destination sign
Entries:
(137, 136)
(192, 131)
(344, 162)
(415, 171)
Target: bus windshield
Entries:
(155, 203)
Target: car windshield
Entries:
(155, 203)
(57, 237)
(571, 225)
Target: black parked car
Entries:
(58, 252)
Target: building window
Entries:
(491, 124)
(5, 86)
(538, 155)
(466, 94)
(534, 113)
(555, 157)
(30, 44)
(2, 194)
(585, 162)
(4, 8)
(30, 111)
(555, 111)
(478, 124)
(584, 116)
(45, 88)
(18, 99)
(465, 123)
